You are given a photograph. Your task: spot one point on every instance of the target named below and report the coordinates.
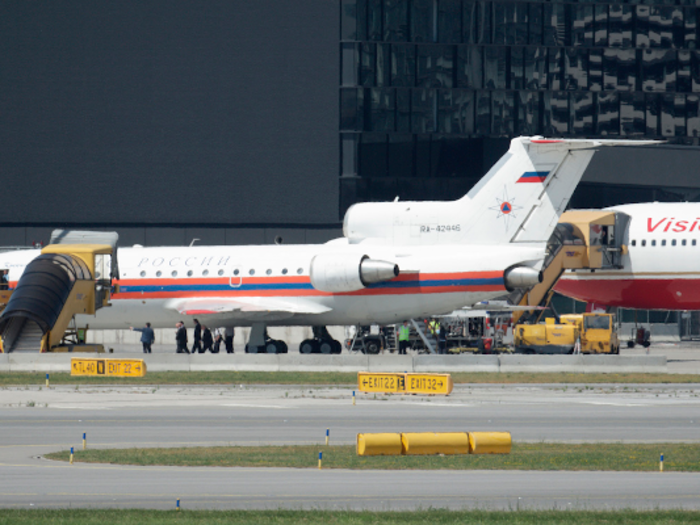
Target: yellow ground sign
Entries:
(428, 384)
(375, 382)
(107, 367)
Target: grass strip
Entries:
(332, 378)
(678, 457)
(320, 517)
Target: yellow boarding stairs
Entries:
(583, 240)
(62, 282)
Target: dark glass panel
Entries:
(482, 23)
(555, 70)
(450, 21)
(348, 20)
(469, 18)
(600, 34)
(352, 190)
(608, 114)
(348, 152)
(383, 77)
(500, 22)
(495, 67)
(684, 81)
(400, 157)
(455, 111)
(619, 69)
(372, 155)
(652, 114)
(381, 110)
(361, 19)
(383, 190)
(582, 25)
(515, 74)
(554, 23)
(421, 150)
(534, 24)
(678, 28)
(403, 65)
(395, 20)
(434, 66)
(351, 109)
(555, 115)
(576, 69)
(535, 66)
(422, 21)
(620, 25)
(595, 70)
(469, 67)
(451, 159)
(403, 110)
(528, 122)
(368, 64)
(349, 71)
(658, 70)
(483, 113)
(642, 26)
(423, 109)
(582, 113)
(690, 28)
(666, 26)
(692, 112)
(672, 115)
(374, 20)
(632, 114)
(520, 24)
(503, 104)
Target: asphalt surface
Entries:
(36, 421)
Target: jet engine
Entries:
(337, 273)
(521, 277)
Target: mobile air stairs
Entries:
(72, 275)
(583, 240)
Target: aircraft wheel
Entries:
(337, 347)
(281, 347)
(271, 347)
(308, 346)
(630, 344)
(372, 346)
(326, 347)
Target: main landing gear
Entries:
(261, 343)
(322, 343)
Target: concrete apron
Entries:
(35, 362)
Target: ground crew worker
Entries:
(434, 327)
(404, 337)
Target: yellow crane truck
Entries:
(595, 332)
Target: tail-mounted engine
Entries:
(337, 273)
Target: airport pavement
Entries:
(36, 421)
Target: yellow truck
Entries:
(595, 332)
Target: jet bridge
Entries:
(583, 240)
(65, 280)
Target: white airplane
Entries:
(396, 261)
(659, 268)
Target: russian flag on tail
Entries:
(533, 176)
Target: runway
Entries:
(174, 416)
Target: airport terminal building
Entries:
(235, 122)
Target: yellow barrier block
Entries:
(107, 367)
(489, 442)
(429, 384)
(378, 444)
(428, 443)
(374, 382)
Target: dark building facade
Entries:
(239, 122)
(432, 91)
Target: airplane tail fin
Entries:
(521, 198)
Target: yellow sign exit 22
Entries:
(80, 366)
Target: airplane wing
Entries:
(248, 308)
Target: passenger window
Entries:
(143, 274)
(251, 272)
(673, 242)
(634, 242)
(220, 272)
(694, 242)
(653, 242)
(663, 242)
(236, 271)
(684, 242)
(205, 272)
(300, 271)
(284, 271)
(159, 273)
(189, 273)
(268, 272)
(644, 242)
(174, 274)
